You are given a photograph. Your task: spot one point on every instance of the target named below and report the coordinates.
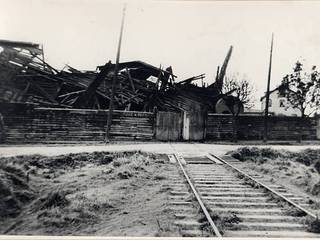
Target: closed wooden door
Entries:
(196, 125)
(168, 126)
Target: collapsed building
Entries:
(39, 103)
(26, 77)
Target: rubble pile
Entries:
(25, 76)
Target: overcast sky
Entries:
(191, 36)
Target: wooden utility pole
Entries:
(115, 78)
(266, 112)
(43, 62)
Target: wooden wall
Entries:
(168, 126)
(23, 123)
(251, 127)
(197, 125)
(29, 124)
(219, 126)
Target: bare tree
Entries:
(240, 88)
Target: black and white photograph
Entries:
(165, 119)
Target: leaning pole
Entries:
(266, 112)
(114, 80)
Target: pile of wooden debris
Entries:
(26, 77)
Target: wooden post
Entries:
(234, 128)
(317, 119)
(205, 123)
(155, 113)
(44, 65)
(266, 112)
(114, 80)
(2, 129)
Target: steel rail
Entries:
(203, 208)
(266, 187)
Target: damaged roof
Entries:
(26, 77)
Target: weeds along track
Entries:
(212, 197)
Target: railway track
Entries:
(213, 197)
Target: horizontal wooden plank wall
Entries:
(25, 123)
(250, 127)
(219, 127)
(29, 124)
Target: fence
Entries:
(24, 123)
(29, 124)
(251, 127)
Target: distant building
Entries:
(279, 105)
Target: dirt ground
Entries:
(115, 193)
(99, 193)
(297, 171)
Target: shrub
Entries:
(313, 225)
(308, 157)
(316, 189)
(317, 166)
(120, 161)
(269, 153)
(14, 190)
(222, 220)
(293, 211)
(125, 174)
(53, 199)
(106, 159)
(247, 153)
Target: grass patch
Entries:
(223, 220)
(159, 177)
(273, 198)
(292, 211)
(308, 157)
(251, 183)
(287, 208)
(47, 188)
(60, 213)
(253, 153)
(313, 225)
(301, 169)
(315, 190)
(52, 199)
(126, 168)
(69, 161)
(165, 228)
(14, 190)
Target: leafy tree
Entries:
(240, 88)
(302, 91)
